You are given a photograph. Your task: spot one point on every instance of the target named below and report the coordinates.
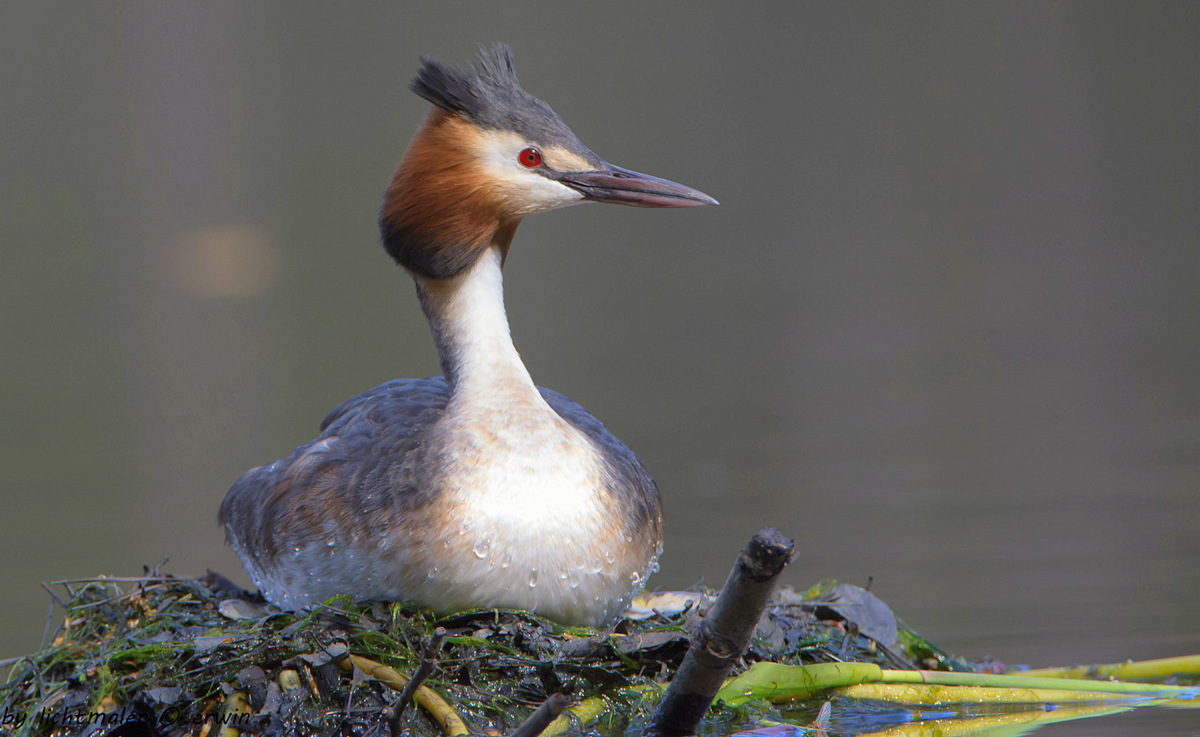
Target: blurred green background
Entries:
(944, 328)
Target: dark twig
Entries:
(50, 614)
(115, 579)
(428, 660)
(53, 596)
(156, 571)
(542, 716)
(722, 635)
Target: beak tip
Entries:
(699, 199)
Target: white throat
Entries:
(470, 328)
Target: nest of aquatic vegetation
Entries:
(177, 656)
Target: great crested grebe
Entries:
(476, 489)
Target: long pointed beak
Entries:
(625, 187)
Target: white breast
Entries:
(527, 526)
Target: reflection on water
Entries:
(852, 717)
(224, 262)
(942, 330)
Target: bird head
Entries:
(487, 155)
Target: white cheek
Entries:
(536, 193)
(526, 191)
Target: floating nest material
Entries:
(160, 655)
(191, 655)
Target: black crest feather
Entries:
(490, 96)
(469, 91)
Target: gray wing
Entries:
(365, 465)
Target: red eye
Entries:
(530, 157)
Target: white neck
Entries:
(470, 328)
